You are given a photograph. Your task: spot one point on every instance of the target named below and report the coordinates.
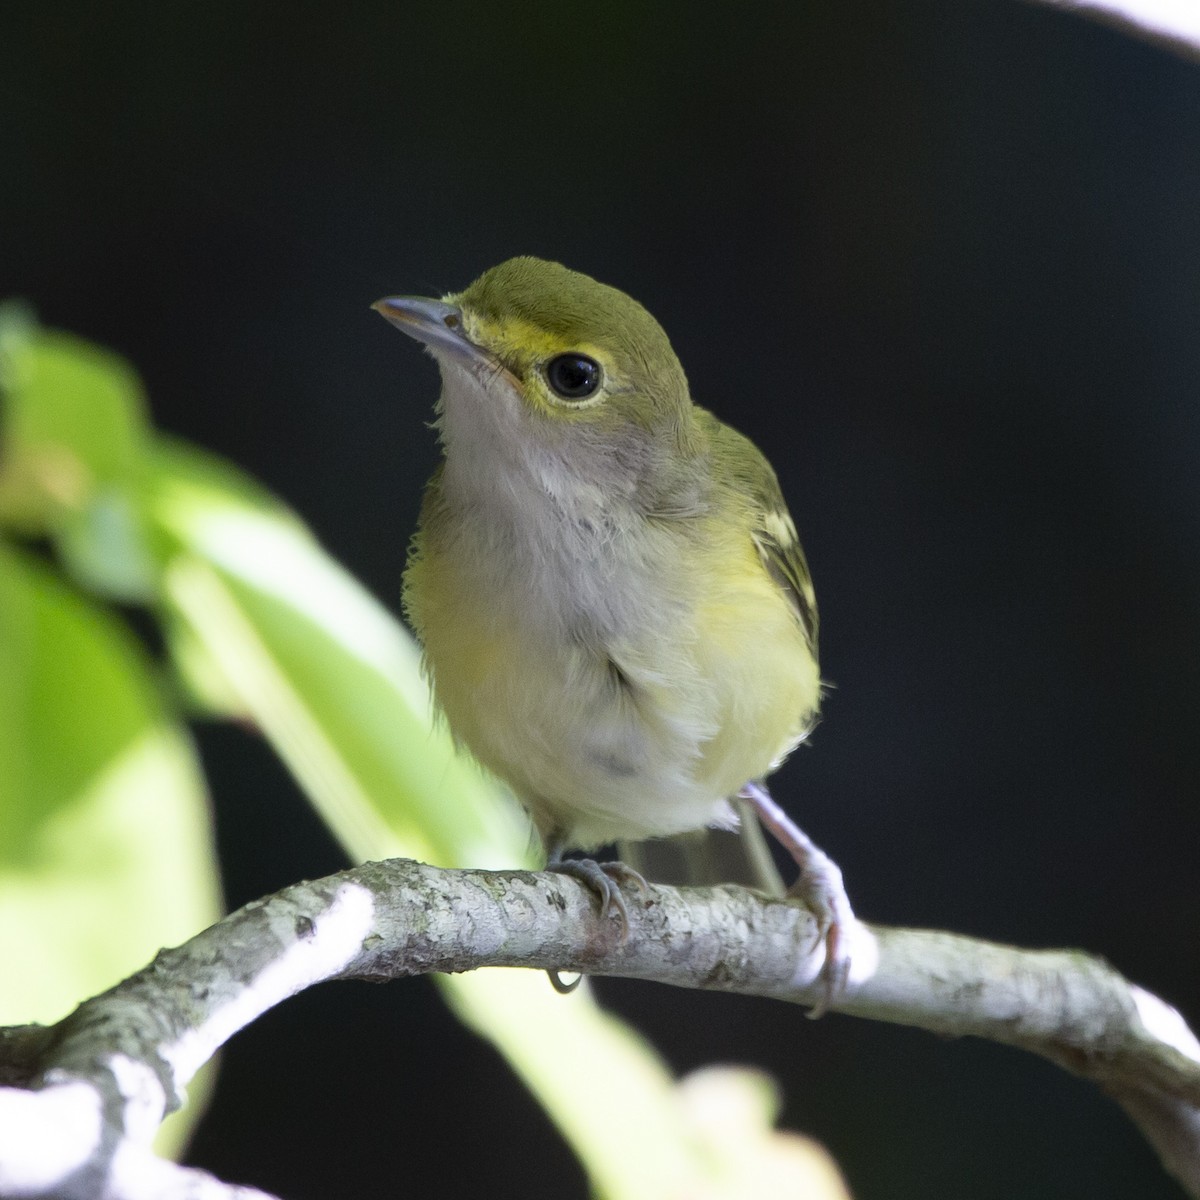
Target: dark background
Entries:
(940, 259)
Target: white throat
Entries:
(501, 461)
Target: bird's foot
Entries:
(821, 889)
(604, 879)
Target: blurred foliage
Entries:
(105, 841)
(105, 847)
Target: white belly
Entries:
(635, 715)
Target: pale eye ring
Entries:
(573, 376)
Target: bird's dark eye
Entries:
(573, 376)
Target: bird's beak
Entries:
(434, 323)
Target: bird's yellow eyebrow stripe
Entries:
(533, 343)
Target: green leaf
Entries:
(279, 629)
(74, 415)
(105, 844)
(73, 437)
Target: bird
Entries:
(615, 613)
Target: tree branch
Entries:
(90, 1093)
(1173, 25)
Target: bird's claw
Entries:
(822, 892)
(821, 889)
(604, 879)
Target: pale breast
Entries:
(619, 692)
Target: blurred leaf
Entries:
(325, 671)
(638, 1132)
(73, 436)
(105, 845)
(103, 546)
(74, 414)
(733, 1109)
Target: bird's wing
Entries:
(771, 525)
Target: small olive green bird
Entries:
(616, 614)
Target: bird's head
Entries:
(555, 345)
